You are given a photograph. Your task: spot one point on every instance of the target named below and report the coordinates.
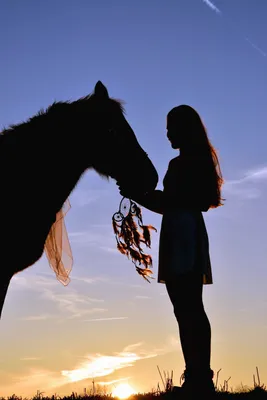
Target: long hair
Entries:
(195, 139)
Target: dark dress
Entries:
(184, 244)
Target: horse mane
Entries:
(60, 107)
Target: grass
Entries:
(258, 392)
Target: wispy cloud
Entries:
(103, 239)
(114, 381)
(99, 365)
(41, 317)
(73, 303)
(257, 174)
(82, 197)
(30, 359)
(39, 281)
(256, 47)
(90, 280)
(34, 282)
(246, 187)
(104, 319)
(238, 190)
(133, 346)
(91, 366)
(112, 250)
(85, 237)
(34, 378)
(212, 6)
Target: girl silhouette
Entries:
(192, 185)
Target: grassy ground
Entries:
(257, 393)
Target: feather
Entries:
(129, 238)
(115, 227)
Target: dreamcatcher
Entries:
(130, 235)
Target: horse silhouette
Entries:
(42, 160)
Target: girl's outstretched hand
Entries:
(153, 201)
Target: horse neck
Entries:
(46, 144)
(66, 150)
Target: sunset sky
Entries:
(109, 324)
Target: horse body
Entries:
(42, 160)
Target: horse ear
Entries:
(101, 90)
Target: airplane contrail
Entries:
(212, 6)
(256, 47)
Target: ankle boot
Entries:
(198, 384)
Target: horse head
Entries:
(117, 153)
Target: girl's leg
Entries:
(185, 294)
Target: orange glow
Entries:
(123, 391)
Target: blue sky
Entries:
(211, 55)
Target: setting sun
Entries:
(123, 391)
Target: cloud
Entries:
(35, 378)
(112, 250)
(256, 47)
(83, 197)
(73, 303)
(91, 366)
(85, 237)
(212, 6)
(103, 240)
(245, 187)
(236, 189)
(133, 346)
(30, 358)
(257, 174)
(26, 280)
(40, 281)
(104, 319)
(41, 317)
(142, 297)
(114, 381)
(90, 280)
(99, 365)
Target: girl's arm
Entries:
(153, 201)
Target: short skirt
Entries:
(184, 245)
